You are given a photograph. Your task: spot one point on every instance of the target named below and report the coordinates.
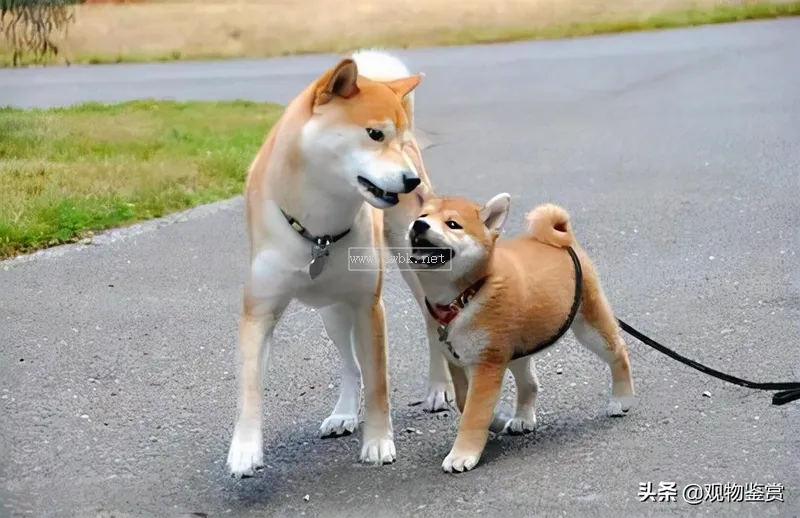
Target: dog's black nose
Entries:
(409, 184)
(419, 227)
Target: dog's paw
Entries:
(619, 406)
(338, 425)
(439, 398)
(459, 462)
(378, 451)
(246, 453)
(499, 422)
(520, 425)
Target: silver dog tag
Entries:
(318, 254)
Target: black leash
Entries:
(790, 391)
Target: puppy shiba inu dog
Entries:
(337, 172)
(498, 301)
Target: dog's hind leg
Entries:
(597, 329)
(527, 383)
(338, 320)
(440, 384)
(256, 327)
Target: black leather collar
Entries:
(321, 241)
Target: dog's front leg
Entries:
(527, 383)
(440, 384)
(461, 386)
(256, 326)
(371, 350)
(485, 384)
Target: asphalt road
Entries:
(677, 154)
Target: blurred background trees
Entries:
(36, 28)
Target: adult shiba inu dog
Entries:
(339, 170)
(499, 301)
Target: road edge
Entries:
(121, 234)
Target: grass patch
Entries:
(66, 172)
(166, 30)
(667, 20)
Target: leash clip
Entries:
(320, 248)
(442, 330)
(324, 241)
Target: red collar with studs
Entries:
(444, 314)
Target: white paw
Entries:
(378, 451)
(459, 463)
(619, 406)
(337, 425)
(246, 453)
(439, 397)
(520, 425)
(499, 422)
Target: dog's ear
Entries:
(339, 81)
(405, 85)
(423, 194)
(495, 212)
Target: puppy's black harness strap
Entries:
(576, 304)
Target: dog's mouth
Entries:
(425, 254)
(373, 192)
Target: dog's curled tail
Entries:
(549, 224)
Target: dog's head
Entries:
(456, 232)
(356, 133)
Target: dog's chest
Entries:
(282, 270)
(461, 341)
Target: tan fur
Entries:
(380, 392)
(526, 299)
(378, 397)
(277, 179)
(550, 225)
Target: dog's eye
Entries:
(376, 135)
(423, 215)
(452, 224)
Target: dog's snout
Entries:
(419, 227)
(410, 183)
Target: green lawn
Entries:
(66, 172)
(666, 20)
